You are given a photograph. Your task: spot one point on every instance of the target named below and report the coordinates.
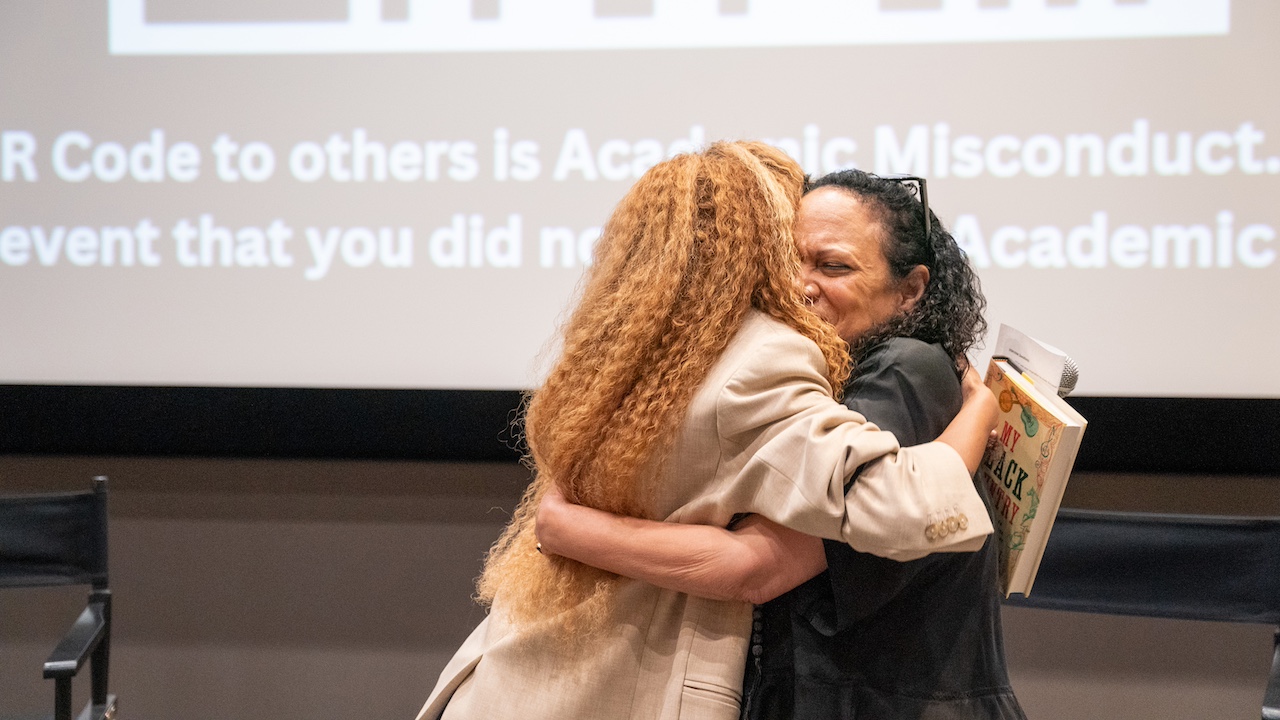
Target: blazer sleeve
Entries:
(794, 447)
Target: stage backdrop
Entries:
(383, 194)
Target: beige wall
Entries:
(264, 590)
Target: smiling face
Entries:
(846, 276)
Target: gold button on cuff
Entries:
(964, 521)
(953, 524)
(931, 532)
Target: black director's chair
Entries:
(61, 539)
(1193, 567)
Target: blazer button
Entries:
(964, 521)
(931, 532)
(953, 524)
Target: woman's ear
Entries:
(912, 288)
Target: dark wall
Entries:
(274, 589)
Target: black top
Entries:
(876, 638)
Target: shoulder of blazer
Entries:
(765, 343)
(763, 374)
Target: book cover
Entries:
(1026, 469)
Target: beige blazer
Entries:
(762, 435)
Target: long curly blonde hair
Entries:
(698, 241)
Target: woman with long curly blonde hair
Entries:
(678, 266)
(694, 384)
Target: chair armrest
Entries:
(1271, 701)
(80, 640)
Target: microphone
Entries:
(1070, 375)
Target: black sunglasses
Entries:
(923, 193)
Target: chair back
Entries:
(1194, 567)
(54, 538)
(1197, 567)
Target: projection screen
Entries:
(405, 194)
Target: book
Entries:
(1027, 466)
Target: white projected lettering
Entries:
(473, 241)
(514, 25)
(408, 193)
(461, 238)
(1141, 150)
(1134, 149)
(1097, 245)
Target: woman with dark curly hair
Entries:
(838, 633)
(949, 310)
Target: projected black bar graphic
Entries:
(644, 8)
(484, 9)
(200, 11)
(894, 5)
(396, 10)
(623, 8)
(910, 4)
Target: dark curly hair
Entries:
(950, 312)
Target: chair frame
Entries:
(89, 638)
(1195, 567)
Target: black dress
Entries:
(876, 639)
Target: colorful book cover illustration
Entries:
(1026, 469)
